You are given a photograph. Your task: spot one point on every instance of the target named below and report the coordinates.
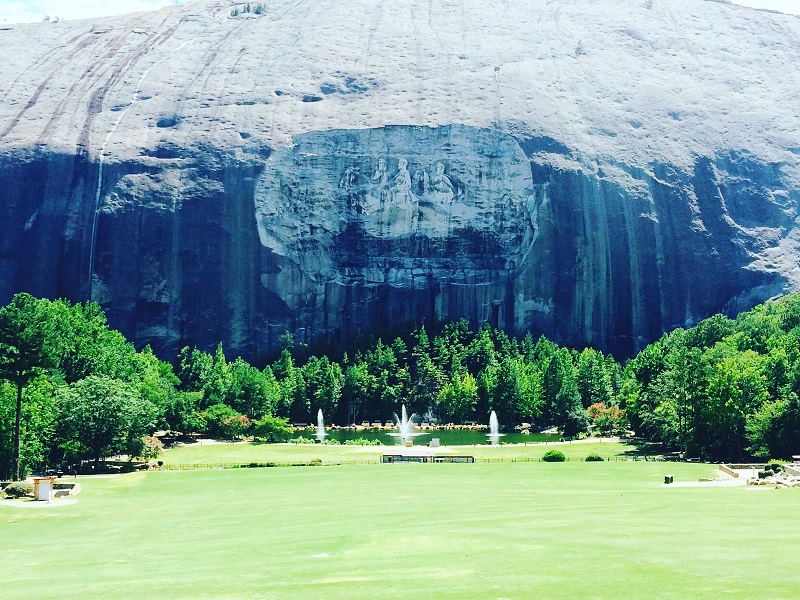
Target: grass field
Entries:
(248, 452)
(497, 530)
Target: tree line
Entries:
(724, 388)
(72, 389)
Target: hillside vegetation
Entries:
(72, 389)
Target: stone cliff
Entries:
(599, 171)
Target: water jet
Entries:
(494, 430)
(405, 427)
(320, 427)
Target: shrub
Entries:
(223, 422)
(362, 442)
(764, 474)
(301, 440)
(272, 428)
(607, 419)
(150, 448)
(775, 467)
(18, 490)
(316, 462)
(594, 458)
(554, 456)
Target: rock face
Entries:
(397, 224)
(596, 172)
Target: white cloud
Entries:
(32, 11)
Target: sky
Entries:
(791, 7)
(31, 11)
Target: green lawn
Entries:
(497, 530)
(281, 453)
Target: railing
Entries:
(575, 459)
(326, 463)
(793, 470)
(259, 465)
(743, 466)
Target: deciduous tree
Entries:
(28, 347)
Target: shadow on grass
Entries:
(646, 448)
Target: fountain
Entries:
(405, 427)
(320, 427)
(494, 430)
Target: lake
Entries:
(447, 437)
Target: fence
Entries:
(259, 465)
(321, 463)
(568, 459)
(742, 466)
(793, 470)
(426, 458)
